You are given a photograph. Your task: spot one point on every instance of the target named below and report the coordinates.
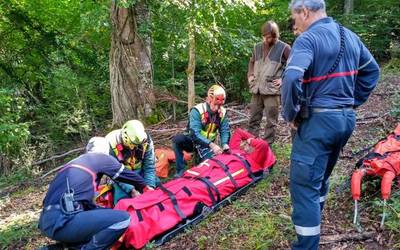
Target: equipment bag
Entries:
(164, 212)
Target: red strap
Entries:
(87, 170)
(333, 75)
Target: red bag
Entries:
(154, 212)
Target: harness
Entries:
(131, 158)
(210, 123)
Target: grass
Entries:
(254, 220)
(18, 176)
(19, 230)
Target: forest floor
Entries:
(259, 219)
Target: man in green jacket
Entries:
(205, 121)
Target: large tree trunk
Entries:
(131, 78)
(348, 6)
(191, 66)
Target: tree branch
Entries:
(329, 239)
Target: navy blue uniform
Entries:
(333, 96)
(91, 228)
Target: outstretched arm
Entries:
(238, 136)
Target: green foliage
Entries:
(20, 175)
(54, 57)
(396, 106)
(377, 23)
(13, 131)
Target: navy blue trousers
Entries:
(93, 229)
(315, 151)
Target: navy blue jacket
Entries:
(81, 181)
(312, 56)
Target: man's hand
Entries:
(135, 193)
(215, 148)
(249, 140)
(250, 78)
(293, 125)
(147, 188)
(277, 82)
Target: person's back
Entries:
(69, 213)
(337, 88)
(330, 72)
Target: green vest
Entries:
(267, 69)
(209, 127)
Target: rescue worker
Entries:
(134, 148)
(264, 77)
(330, 72)
(71, 216)
(205, 120)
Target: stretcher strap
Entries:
(246, 165)
(173, 200)
(210, 186)
(187, 191)
(160, 206)
(139, 215)
(226, 170)
(372, 155)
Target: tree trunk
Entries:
(131, 77)
(348, 6)
(191, 66)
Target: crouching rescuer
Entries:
(69, 213)
(205, 121)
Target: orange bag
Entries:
(164, 156)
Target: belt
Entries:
(51, 207)
(321, 110)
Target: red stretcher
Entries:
(161, 214)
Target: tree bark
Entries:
(348, 6)
(191, 66)
(131, 77)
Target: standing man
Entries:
(205, 121)
(330, 72)
(134, 148)
(264, 76)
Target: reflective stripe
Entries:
(120, 225)
(333, 75)
(87, 170)
(204, 163)
(227, 178)
(308, 231)
(323, 198)
(295, 68)
(192, 172)
(365, 64)
(119, 172)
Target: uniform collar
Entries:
(320, 21)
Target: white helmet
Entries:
(98, 145)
